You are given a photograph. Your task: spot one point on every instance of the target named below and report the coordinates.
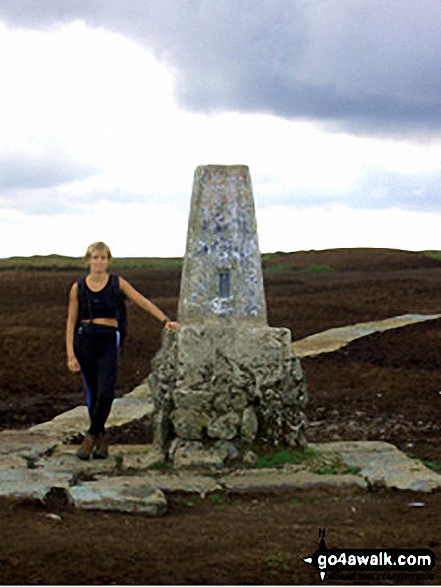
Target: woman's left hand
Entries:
(172, 325)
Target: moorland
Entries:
(386, 386)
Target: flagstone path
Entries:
(336, 338)
(39, 462)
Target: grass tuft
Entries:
(281, 562)
(160, 466)
(284, 457)
(432, 465)
(216, 499)
(317, 269)
(280, 267)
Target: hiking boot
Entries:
(86, 447)
(101, 448)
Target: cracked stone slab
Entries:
(166, 481)
(123, 494)
(391, 467)
(31, 483)
(335, 338)
(266, 479)
(133, 406)
(65, 424)
(115, 490)
(185, 482)
(136, 457)
(354, 446)
(383, 463)
(142, 391)
(12, 461)
(26, 443)
(121, 458)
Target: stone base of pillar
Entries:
(219, 390)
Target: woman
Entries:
(93, 340)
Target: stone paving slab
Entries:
(26, 443)
(167, 482)
(119, 494)
(31, 483)
(65, 425)
(122, 482)
(336, 338)
(133, 406)
(267, 479)
(382, 463)
(355, 446)
(35, 461)
(12, 461)
(122, 459)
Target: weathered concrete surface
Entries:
(336, 338)
(222, 273)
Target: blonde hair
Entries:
(97, 246)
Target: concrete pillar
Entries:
(222, 276)
(225, 381)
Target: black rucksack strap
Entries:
(114, 284)
(83, 295)
(121, 311)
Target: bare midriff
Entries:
(102, 321)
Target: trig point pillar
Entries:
(222, 276)
(225, 381)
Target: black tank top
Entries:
(101, 304)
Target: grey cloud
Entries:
(382, 189)
(32, 183)
(47, 201)
(34, 202)
(364, 67)
(43, 170)
(379, 189)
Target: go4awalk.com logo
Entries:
(369, 560)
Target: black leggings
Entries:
(97, 351)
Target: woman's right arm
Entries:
(72, 316)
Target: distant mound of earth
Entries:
(356, 259)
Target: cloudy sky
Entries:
(108, 106)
